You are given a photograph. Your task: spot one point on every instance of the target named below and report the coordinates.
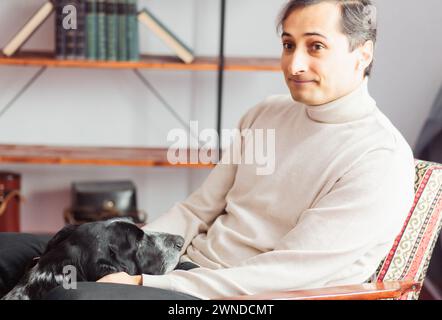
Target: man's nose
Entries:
(298, 63)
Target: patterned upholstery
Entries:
(410, 256)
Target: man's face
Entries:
(316, 60)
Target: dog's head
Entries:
(97, 249)
(100, 248)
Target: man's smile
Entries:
(301, 82)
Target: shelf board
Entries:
(100, 156)
(47, 59)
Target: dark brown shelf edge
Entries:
(122, 156)
(47, 59)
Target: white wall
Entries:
(408, 70)
(112, 108)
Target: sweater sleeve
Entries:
(332, 243)
(195, 214)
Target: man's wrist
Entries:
(138, 280)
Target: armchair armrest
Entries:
(366, 291)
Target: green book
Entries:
(112, 30)
(132, 31)
(101, 30)
(91, 30)
(122, 30)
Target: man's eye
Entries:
(318, 46)
(287, 46)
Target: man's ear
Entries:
(365, 53)
(60, 236)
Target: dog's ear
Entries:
(60, 236)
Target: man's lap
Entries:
(18, 249)
(111, 291)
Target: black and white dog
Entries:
(96, 249)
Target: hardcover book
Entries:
(91, 30)
(81, 32)
(122, 30)
(181, 50)
(101, 30)
(28, 29)
(132, 31)
(60, 37)
(112, 29)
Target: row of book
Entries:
(105, 30)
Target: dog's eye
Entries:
(113, 252)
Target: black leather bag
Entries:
(102, 200)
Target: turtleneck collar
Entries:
(354, 106)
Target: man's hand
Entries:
(122, 278)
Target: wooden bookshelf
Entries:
(99, 156)
(47, 59)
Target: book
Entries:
(112, 30)
(181, 50)
(60, 37)
(101, 30)
(80, 39)
(70, 43)
(70, 35)
(28, 29)
(122, 29)
(132, 31)
(91, 30)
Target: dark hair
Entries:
(359, 21)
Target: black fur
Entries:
(96, 249)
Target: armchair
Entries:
(401, 274)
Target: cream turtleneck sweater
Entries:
(327, 216)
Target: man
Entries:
(342, 186)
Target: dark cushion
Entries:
(112, 291)
(16, 253)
